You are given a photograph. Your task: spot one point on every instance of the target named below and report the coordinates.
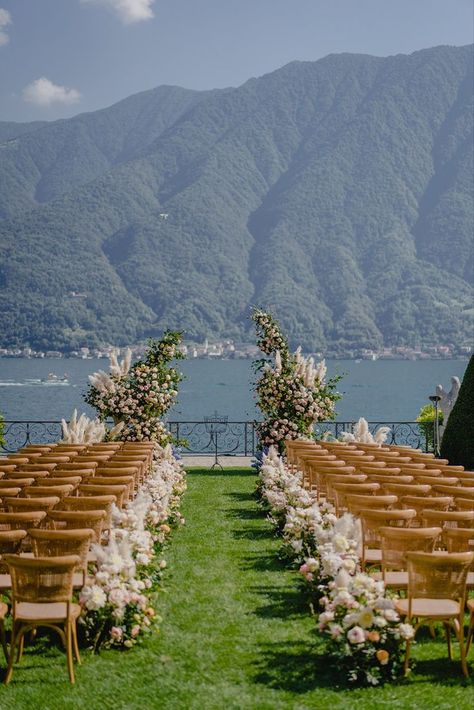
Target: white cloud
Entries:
(128, 11)
(43, 92)
(5, 20)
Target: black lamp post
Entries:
(435, 399)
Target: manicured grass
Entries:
(234, 635)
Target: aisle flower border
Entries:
(363, 633)
(119, 602)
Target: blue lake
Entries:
(384, 390)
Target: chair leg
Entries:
(470, 631)
(11, 657)
(76, 645)
(448, 640)
(70, 660)
(3, 640)
(21, 646)
(406, 665)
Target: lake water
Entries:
(384, 390)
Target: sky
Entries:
(63, 57)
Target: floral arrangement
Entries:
(363, 631)
(292, 392)
(139, 394)
(362, 434)
(119, 600)
(83, 430)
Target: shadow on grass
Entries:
(264, 563)
(281, 603)
(295, 666)
(245, 513)
(238, 496)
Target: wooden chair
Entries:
(42, 596)
(21, 520)
(27, 475)
(40, 491)
(99, 502)
(78, 466)
(382, 479)
(57, 543)
(15, 483)
(86, 489)
(372, 521)
(436, 481)
(83, 473)
(10, 544)
(459, 539)
(37, 467)
(12, 492)
(128, 481)
(342, 490)
(356, 502)
(78, 520)
(464, 491)
(463, 503)
(18, 505)
(316, 475)
(406, 489)
(55, 459)
(437, 592)
(53, 481)
(395, 543)
(448, 518)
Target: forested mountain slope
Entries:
(337, 192)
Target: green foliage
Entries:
(457, 444)
(426, 418)
(337, 193)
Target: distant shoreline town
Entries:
(233, 350)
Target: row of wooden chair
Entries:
(45, 539)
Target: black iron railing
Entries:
(233, 439)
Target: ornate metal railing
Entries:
(235, 439)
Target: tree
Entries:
(458, 441)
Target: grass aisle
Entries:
(234, 634)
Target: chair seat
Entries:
(3, 610)
(470, 605)
(53, 612)
(373, 555)
(5, 582)
(394, 579)
(432, 608)
(470, 580)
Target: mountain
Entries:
(337, 192)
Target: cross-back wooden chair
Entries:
(57, 543)
(42, 596)
(395, 543)
(356, 502)
(78, 520)
(437, 592)
(372, 520)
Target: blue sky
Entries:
(62, 57)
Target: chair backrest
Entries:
(448, 518)
(56, 459)
(358, 502)
(438, 576)
(26, 504)
(79, 472)
(73, 481)
(11, 492)
(37, 466)
(463, 503)
(459, 539)
(381, 478)
(10, 543)
(78, 520)
(40, 491)
(420, 503)
(372, 520)
(99, 502)
(406, 489)
(57, 543)
(396, 542)
(78, 466)
(41, 579)
(464, 491)
(342, 490)
(86, 489)
(21, 520)
(15, 483)
(35, 475)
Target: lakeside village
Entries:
(233, 350)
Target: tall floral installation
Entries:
(292, 392)
(357, 619)
(139, 394)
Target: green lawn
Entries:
(234, 633)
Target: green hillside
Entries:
(337, 192)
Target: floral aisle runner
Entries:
(364, 634)
(120, 599)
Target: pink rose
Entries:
(135, 630)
